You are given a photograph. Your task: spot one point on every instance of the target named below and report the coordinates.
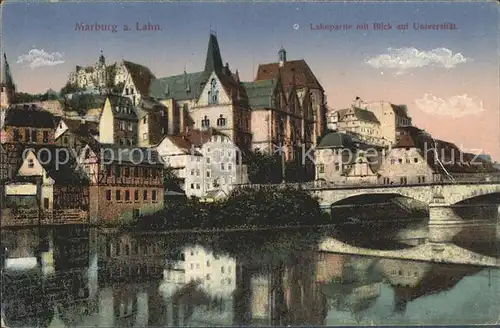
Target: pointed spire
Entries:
(213, 60)
(6, 80)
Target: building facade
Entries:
(300, 86)
(208, 162)
(124, 182)
(29, 125)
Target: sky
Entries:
(449, 79)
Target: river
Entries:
(78, 276)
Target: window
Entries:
(45, 136)
(130, 126)
(197, 186)
(400, 160)
(321, 168)
(33, 136)
(192, 185)
(145, 120)
(415, 160)
(136, 195)
(208, 174)
(423, 179)
(144, 136)
(118, 195)
(208, 277)
(407, 160)
(31, 163)
(393, 161)
(127, 195)
(208, 160)
(65, 140)
(145, 195)
(222, 269)
(229, 167)
(403, 180)
(127, 172)
(17, 135)
(118, 171)
(222, 166)
(192, 172)
(337, 166)
(108, 195)
(136, 172)
(46, 203)
(205, 122)
(208, 263)
(27, 135)
(197, 173)
(386, 181)
(213, 94)
(221, 121)
(153, 195)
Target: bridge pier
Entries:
(444, 223)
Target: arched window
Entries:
(221, 121)
(205, 123)
(213, 94)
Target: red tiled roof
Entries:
(299, 69)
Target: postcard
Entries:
(244, 163)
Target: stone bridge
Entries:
(448, 202)
(450, 193)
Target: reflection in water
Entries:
(77, 276)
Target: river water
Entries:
(88, 277)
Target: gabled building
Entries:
(343, 158)
(359, 121)
(124, 182)
(136, 82)
(28, 124)
(118, 122)
(208, 163)
(49, 177)
(297, 76)
(419, 158)
(213, 97)
(76, 133)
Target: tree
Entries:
(69, 88)
(171, 181)
(264, 168)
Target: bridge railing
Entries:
(437, 180)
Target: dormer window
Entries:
(221, 121)
(126, 91)
(205, 123)
(213, 94)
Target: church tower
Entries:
(7, 86)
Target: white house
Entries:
(208, 162)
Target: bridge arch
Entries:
(328, 197)
(456, 194)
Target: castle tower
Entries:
(7, 86)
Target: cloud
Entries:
(456, 106)
(403, 59)
(39, 58)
